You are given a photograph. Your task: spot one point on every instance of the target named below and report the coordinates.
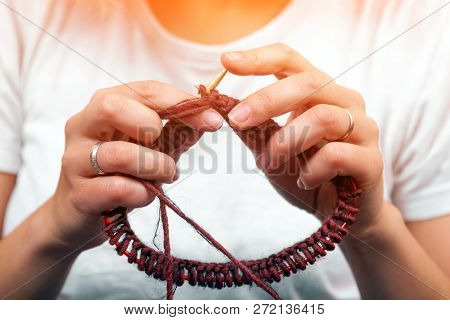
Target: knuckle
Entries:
(283, 48)
(118, 156)
(70, 126)
(359, 99)
(67, 161)
(259, 59)
(79, 191)
(110, 106)
(313, 80)
(255, 56)
(324, 116)
(98, 95)
(151, 88)
(262, 98)
(117, 189)
(372, 127)
(333, 155)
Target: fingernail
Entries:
(176, 175)
(263, 161)
(212, 119)
(302, 185)
(239, 114)
(234, 56)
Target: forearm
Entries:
(391, 264)
(34, 264)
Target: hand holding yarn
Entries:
(125, 120)
(174, 270)
(303, 156)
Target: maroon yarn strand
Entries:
(176, 139)
(164, 200)
(168, 265)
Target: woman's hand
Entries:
(318, 119)
(117, 116)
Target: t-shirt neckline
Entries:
(188, 49)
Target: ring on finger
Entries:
(93, 158)
(351, 126)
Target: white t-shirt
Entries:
(46, 78)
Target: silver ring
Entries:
(93, 158)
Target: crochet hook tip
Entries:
(215, 82)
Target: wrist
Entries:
(70, 230)
(45, 235)
(380, 232)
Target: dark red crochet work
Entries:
(174, 140)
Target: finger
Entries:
(277, 59)
(321, 122)
(301, 90)
(159, 96)
(107, 192)
(114, 112)
(341, 159)
(127, 158)
(118, 112)
(208, 120)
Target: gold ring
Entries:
(351, 126)
(93, 158)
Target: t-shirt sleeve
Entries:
(422, 170)
(11, 115)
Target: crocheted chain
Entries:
(176, 139)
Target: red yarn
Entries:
(174, 140)
(168, 267)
